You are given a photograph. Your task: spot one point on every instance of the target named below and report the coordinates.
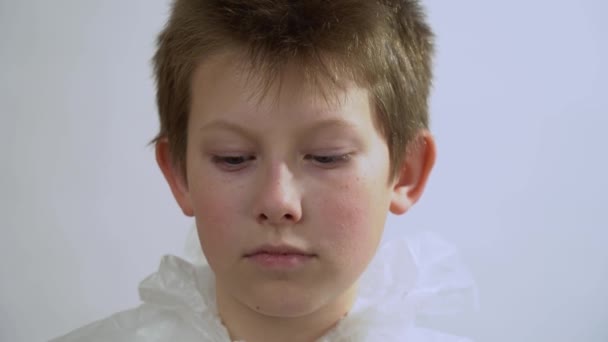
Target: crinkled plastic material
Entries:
(420, 276)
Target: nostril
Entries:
(287, 217)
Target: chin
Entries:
(285, 302)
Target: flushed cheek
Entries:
(348, 230)
(216, 214)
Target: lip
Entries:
(278, 250)
(279, 257)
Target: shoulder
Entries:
(176, 307)
(131, 325)
(124, 326)
(410, 279)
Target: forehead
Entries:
(225, 87)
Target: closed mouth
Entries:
(278, 250)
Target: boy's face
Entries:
(290, 170)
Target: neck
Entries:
(246, 324)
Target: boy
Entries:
(288, 130)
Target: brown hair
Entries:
(384, 45)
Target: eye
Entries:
(331, 160)
(232, 163)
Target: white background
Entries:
(519, 111)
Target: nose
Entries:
(278, 201)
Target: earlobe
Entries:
(173, 176)
(411, 178)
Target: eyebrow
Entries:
(331, 123)
(240, 129)
(227, 125)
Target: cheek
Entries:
(353, 222)
(215, 210)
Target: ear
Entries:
(174, 177)
(410, 180)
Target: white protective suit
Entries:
(411, 278)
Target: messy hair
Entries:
(383, 45)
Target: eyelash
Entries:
(334, 159)
(226, 159)
(330, 160)
(231, 163)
